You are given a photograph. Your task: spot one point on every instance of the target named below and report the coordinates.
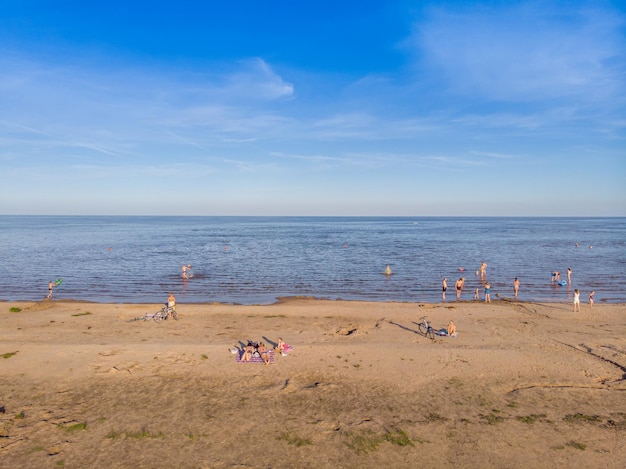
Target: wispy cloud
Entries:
(521, 51)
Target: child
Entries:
(577, 300)
(487, 293)
(282, 347)
(591, 298)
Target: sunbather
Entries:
(264, 353)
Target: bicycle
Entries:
(164, 313)
(425, 328)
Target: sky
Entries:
(342, 108)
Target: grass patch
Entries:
(433, 417)
(532, 418)
(368, 441)
(86, 313)
(15, 309)
(578, 417)
(398, 437)
(512, 405)
(577, 445)
(492, 418)
(8, 355)
(21, 415)
(140, 435)
(364, 443)
(73, 428)
(295, 440)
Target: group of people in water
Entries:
(482, 272)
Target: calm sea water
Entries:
(253, 260)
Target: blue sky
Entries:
(325, 108)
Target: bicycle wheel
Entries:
(423, 328)
(430, 333)
(158, 317)
(175, 314)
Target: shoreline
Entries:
(523, 385)
(287, 299)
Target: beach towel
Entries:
(255, 359)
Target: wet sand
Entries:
(523, 385)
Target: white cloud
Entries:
(525, 51)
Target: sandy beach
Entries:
(523, 385)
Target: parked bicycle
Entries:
(425, 328)
(164, 313)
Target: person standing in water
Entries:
(487, 293)
(515, 287)
(50, 287)
(459, 286)
(569, 275)
(444, 287)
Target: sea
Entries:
(258, 260)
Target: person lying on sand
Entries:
(264, 353)
(248, 351)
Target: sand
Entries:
(523, 385)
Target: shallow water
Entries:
(257, 259)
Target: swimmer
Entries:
(444, 287)
(515, 287)
(476, 295)
(556, 276)
(388, 270)
(50, 287)
(184, 269)
(459, 286)
(569, 275)
(483, 269)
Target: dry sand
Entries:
(524, 385)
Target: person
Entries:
(591, 295)
(282, 347)
(444, 287)
(248, 351)
(459, 286)
(556, 276)
(483, 269)
(50, 287)
(184, 269)
(487, 294)
(264, 353)
(189, 271)
(576, 300)
(569, 275)
(515, 287)
(451, 329)
(476, 295)
(388, 270)
(171, 301)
